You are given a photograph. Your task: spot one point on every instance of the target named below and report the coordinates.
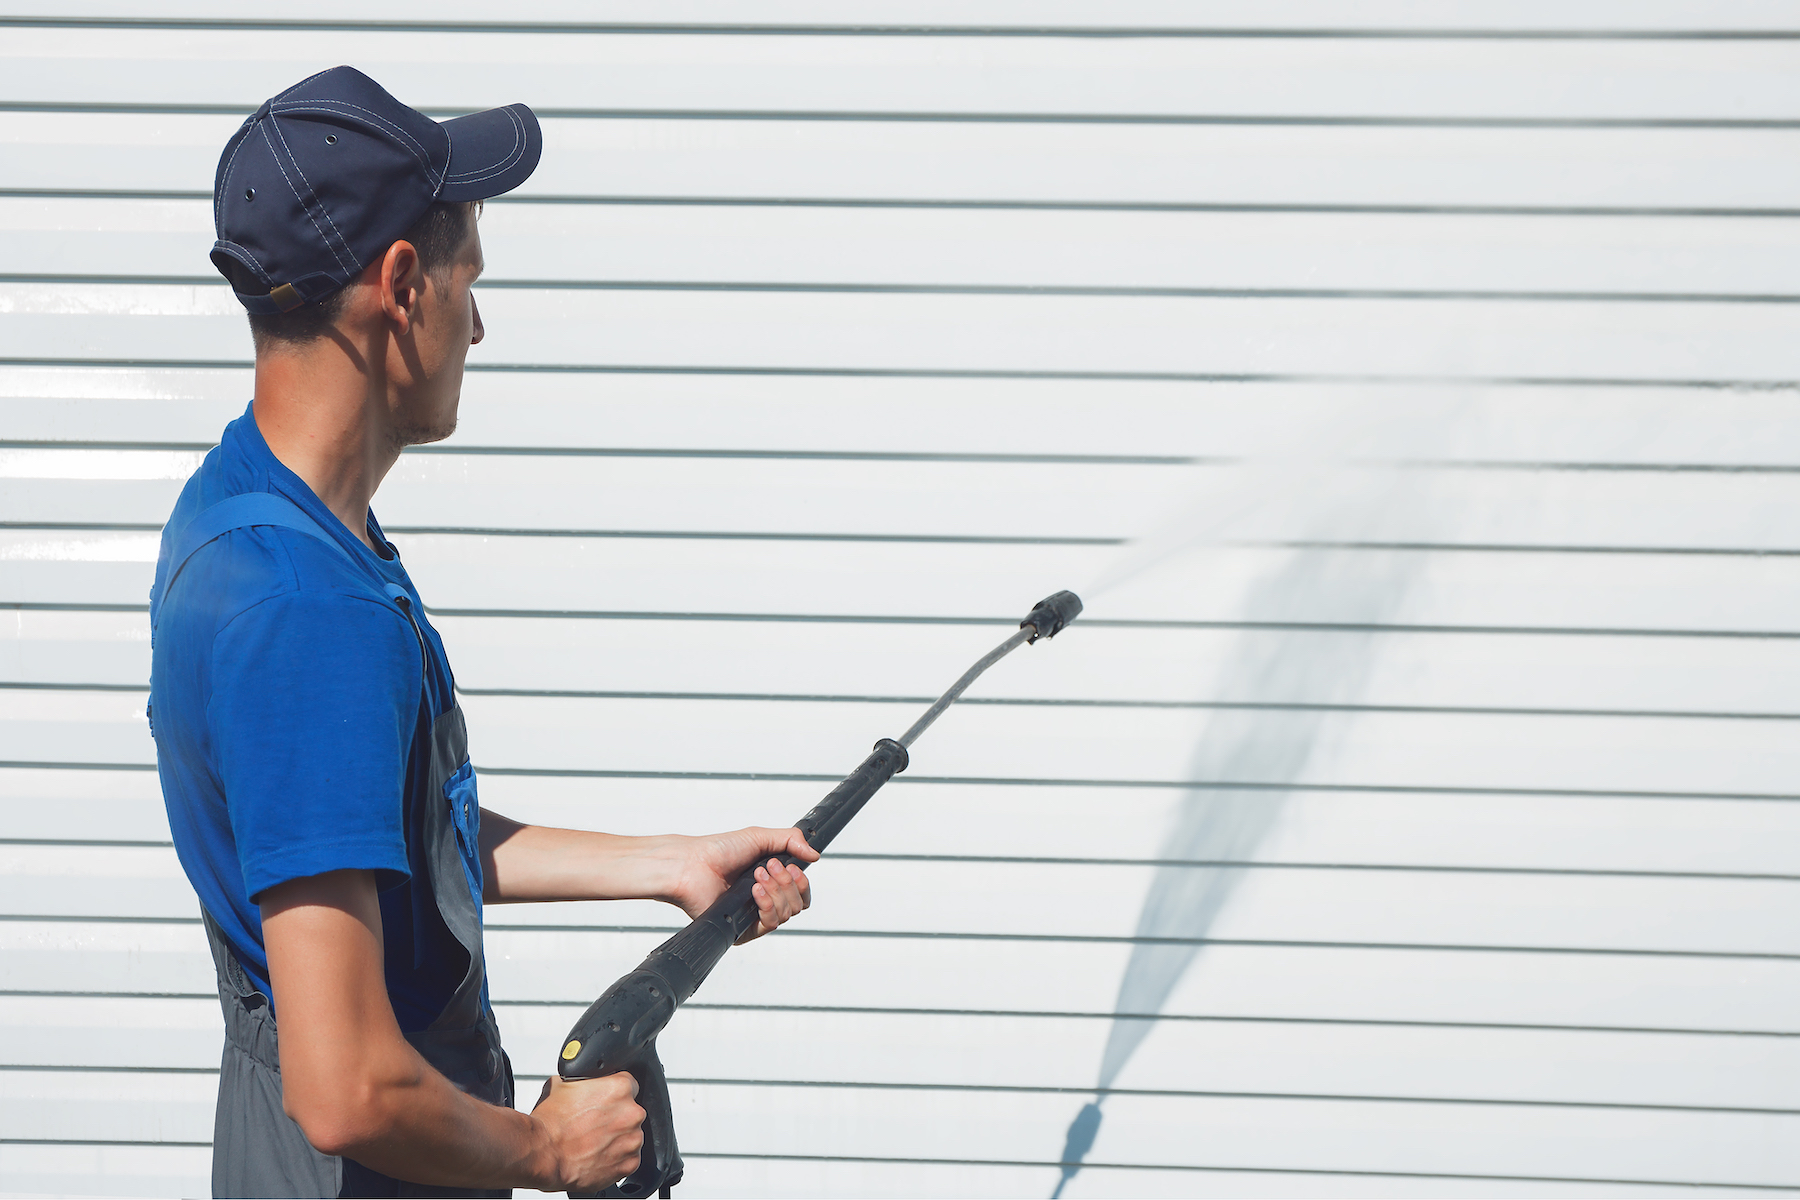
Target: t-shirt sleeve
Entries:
(314, 702)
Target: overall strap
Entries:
(241, 512)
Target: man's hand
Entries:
(596, 1128)
(712, 862)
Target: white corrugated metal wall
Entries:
(1444, 352)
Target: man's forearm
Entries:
(534, 862)
(538, 862)
(410, 1122)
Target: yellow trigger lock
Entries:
(571, 1050)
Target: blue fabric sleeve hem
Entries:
(269, 871)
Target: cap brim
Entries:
(491, 152)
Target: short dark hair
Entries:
(437, 236)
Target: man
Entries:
(311, 749)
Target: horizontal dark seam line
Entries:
(1152, 784)
(72, 606)
(1089, 623)
(72, 994)
(1355, 789)
(52, 765)
(1233, 706)
(18, 1141)
(1220, 293)
(1373, 868)
(1035, 702)
(1033, 1089)
(1048, 938)
(72, 444)
(84, 526)
(1068, 205)
(127, 843)
(26, 685)
(1027, 205)
(1027, 290)
(1177, 460)
(851, 202)
(1220, 120)
(1207, 1018)
(940, 117)
(1199, 1094)
(1447, 464)
(1039, 702)
(1104, 623)
(750, 536)
(904, 456)
(125, 1069)
(1510, 548)
(998, 289)
(977, 539)
(1050, 1014)
(1242, 377)
(1249, 1170)
(1278, 33)
(112, 919)
(1310, 1172)
(1197, 864)
(1136, 940)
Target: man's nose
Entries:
(480, 329)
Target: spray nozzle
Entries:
(1048, 616)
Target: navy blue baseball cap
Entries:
(323, 178)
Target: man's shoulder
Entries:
(249, 567)
(274, 592)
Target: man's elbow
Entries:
(343, 1121)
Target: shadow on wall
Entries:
(1222, 825)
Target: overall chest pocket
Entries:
(465, 815)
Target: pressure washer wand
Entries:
(618, 1031)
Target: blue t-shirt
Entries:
(285, 695)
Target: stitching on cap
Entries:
(419, 152)
(326, 105)
(513, 156)
(517, 152)
(303, 206)
(304, 82)
(248, 128)
(438, 185)
(323, 211)
(244, 258)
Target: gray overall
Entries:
(258, 1150)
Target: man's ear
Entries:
(399, 282)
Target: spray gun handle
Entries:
(659, 1162)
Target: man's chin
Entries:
(422, 435)
(427, 427)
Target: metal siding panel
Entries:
(1306, 986)
(832, 74)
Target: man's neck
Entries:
(327, 421)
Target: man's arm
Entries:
(535, 862)
(357, 1088)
